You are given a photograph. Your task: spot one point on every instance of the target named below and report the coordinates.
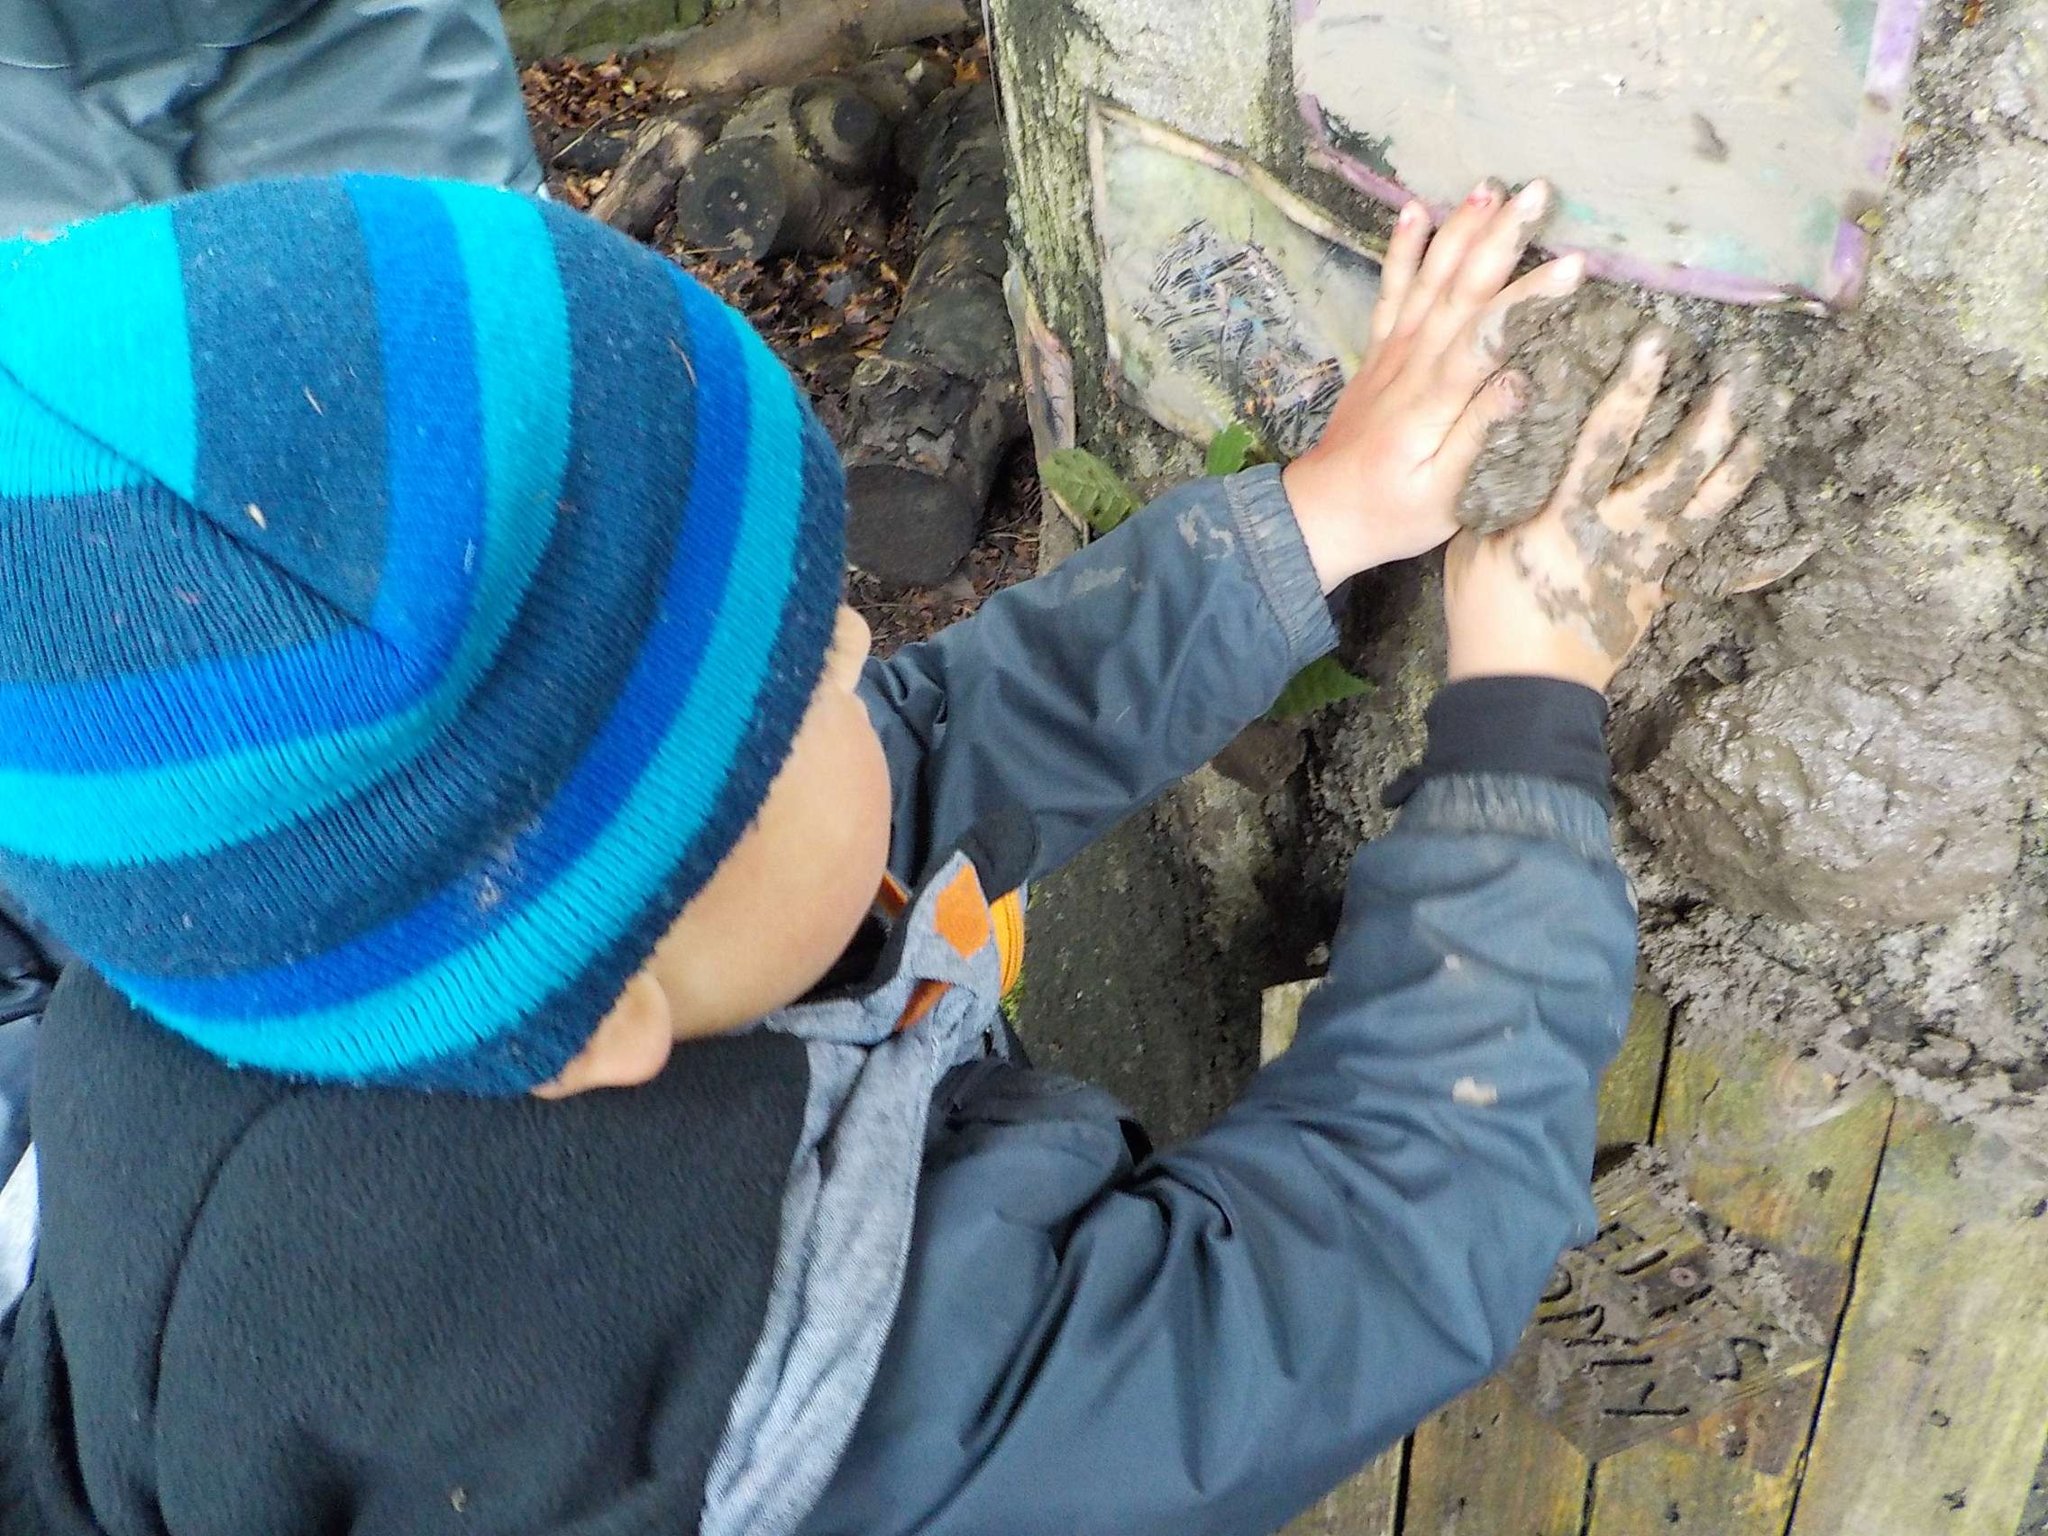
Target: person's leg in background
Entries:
(415, 87)
(73, 145)
(91, 122)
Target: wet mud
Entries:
(1832, 753)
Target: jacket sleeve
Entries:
(1077, 697)
(1208, 1342)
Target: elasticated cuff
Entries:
(1264, 519)
(1512, 805)
(1540, 727)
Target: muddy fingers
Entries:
(1447, 254)
(1611, 428)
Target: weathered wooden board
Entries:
(1628, 1094)
(1785, 1155)
(1279, 1016)
(1368, 1505)
(1226, 297)
(1934, 1407)
(1489, 1465)
(1663, 1318)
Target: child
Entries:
(542, 1071)
(104, 103)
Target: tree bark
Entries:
(779, 42)
(929, 420)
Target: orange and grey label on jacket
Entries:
(969, 922)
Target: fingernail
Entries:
(1533, 198)
(1409, 215)
(1571, 271)
(1516, 388)
(1483, 194)
(1652, 344)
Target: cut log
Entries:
(794, 164)
(929, 420)
(643, 188)
(590, 151)
(780, 42)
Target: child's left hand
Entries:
(1382, 482)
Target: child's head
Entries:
(417, 654)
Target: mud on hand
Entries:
(1570, 592)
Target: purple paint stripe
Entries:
(1325, 158)
(1848, 266)
(1895, 42)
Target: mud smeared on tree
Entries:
(1830, 753)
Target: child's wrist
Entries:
(1560, 657)
(1338, 539)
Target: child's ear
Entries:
(630, 1047)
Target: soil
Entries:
(822, 314)
(1830, 752)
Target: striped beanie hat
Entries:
(408, 592)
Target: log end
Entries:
(907, 528)
(734, 202)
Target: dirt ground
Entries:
(1830, 756)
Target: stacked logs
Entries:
(786, 170)
(796, 163)
(930, 419)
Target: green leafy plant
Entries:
(1236, 447)
(1317, 686)
(1088, 488)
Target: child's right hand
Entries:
(1571, 592)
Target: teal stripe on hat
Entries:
(92, 323)
(489, 989)
(521, 326)
(41, 456)
(521, 321)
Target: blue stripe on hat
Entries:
(72, 572)
(41, 456)
(186, 809)
(550, 1036)
(523, 367)
(120, 371)
(291, 410)
(514, 877)
(433, 412)
(520, 961)
(520, 732)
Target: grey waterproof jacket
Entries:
(1210, 1339)
(104, 103)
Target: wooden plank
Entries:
(1489, 1465)
(1785, 1155)
(1368, 1505)
(1279, 1014)
(1934, 1407)
(1628, 1094)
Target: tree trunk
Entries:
(929, 420)
(779, 42)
